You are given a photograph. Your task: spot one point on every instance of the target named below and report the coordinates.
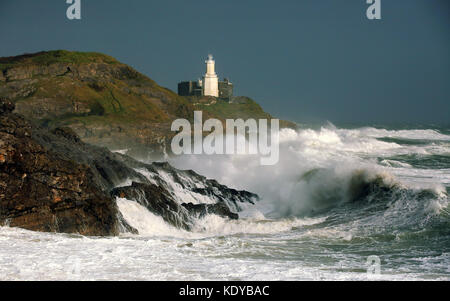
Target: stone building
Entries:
(190, 88)
(226, 89)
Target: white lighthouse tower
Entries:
(210, 80)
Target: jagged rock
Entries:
(157, 200)
(198, 186)
(42, 190)
(162, 202)
(201, 210)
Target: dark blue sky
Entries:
(303, 60)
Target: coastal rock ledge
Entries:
(41, 190)
(51, 181)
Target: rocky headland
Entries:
(52, 181)
(105, 102)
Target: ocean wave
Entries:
(323, 170)
(412, 134)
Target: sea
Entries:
(343, 203)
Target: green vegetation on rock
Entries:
(46, 58)
(244, 108)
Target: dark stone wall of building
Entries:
(190, 88)
(226, 89)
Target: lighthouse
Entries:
(209, 85)
(210, 79)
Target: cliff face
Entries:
(42, 190)
(105, 102)
(52, 181)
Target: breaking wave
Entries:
(340, 173)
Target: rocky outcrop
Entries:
(100, 70)
(163, 202)
(187, 186)
(158, 201)
(52, 181)
(42, 190)
(200, 187)
(201, 210)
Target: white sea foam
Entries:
(44, 256)
(150, 225)
(406, 134)
(147, 223)
(218, 226)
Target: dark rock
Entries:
(201, 210)
(41, 190)
(161, 202)
(157, 200)
(55, 183)
(6, 106)
(67, 133)
(193, 182)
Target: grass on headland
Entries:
(47, 58)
